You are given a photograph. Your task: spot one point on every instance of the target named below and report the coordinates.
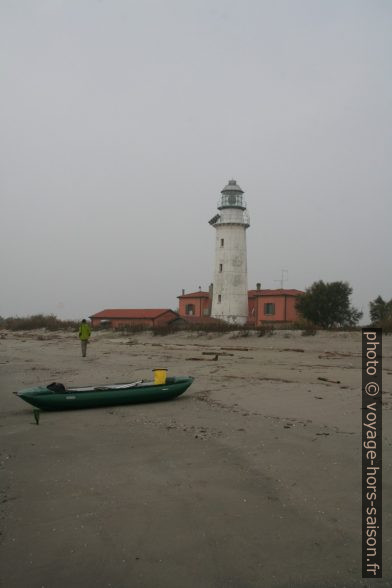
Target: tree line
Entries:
(323, 305)
(327, 305)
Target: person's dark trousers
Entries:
(84, 348)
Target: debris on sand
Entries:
(217, 353)
(203, 358)
(335, 354)
(235, 348)
(330, 381)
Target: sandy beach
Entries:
(251, 479)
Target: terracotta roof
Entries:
(276, 292)
(195, 295)
(131, 313)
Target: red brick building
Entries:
(120, 317)
(273, 306)
(196, 304)
(264, 305)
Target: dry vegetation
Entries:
(38, 321)
(52, 323)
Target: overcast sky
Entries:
(122, 120)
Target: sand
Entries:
(251, 479)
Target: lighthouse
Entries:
(230, 289)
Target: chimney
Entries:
(199, 288)
(210, 294)
(258, 286)
(183, 292)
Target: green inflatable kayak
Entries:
(56, 396)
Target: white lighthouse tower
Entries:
(230, 290)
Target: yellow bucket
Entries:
(160, 376)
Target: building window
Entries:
(220, 267)
(269, 308)
(222, 242)
(190, 309)
(219, 298)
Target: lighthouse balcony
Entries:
(231, 217)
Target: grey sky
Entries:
(121, 122)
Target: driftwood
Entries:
(235, 348)
(331, 381)
(293, 349)
(203, 358)
(334, 354)
(217, 353)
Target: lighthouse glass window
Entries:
(232, 200)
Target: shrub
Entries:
(38, 321)
(386, 326)
(132, 329)
(308, 332)
(380, 310)
(212, 327)
(265, 330)
(239, 333)
(164, 330)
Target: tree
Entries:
(380, 310)
(328, 305)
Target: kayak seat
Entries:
(56, 387)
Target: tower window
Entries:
(220, 267)
(269, 308)
(222, 242)
(219, 298)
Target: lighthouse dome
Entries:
(231, 187)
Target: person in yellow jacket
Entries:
(84, 335)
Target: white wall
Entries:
(232, 282)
